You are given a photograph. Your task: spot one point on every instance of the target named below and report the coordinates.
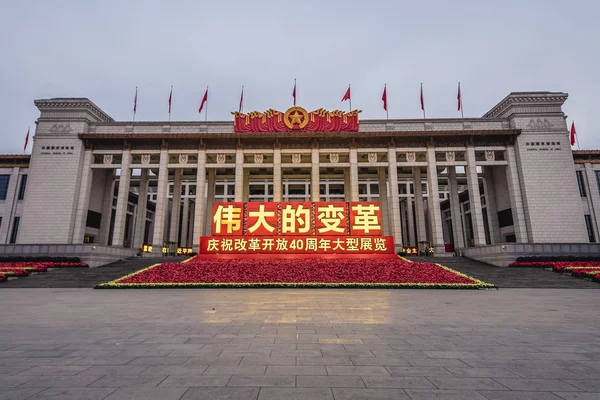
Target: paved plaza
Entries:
(291, 344)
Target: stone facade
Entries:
(479, 181)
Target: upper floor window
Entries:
(598, 179)
(22, 187)
(590, 228)
(581, 184)
(4, 179)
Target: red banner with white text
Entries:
(297, 244)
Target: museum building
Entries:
(507, 182)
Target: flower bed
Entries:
(389, 272)
(24, 268)
(580, 269)
(2, 277)
(14, 271)
(585, 273)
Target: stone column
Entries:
(122, 199)
(593, 198)
(383, 201)
(394, 199)
(491, 209)
(514, 192)
(246, 190)
(185, 218)
(210, 195)
(411, 221)
(457, 228)
(83, 201)
(107, 199)
(277, 184)
(175, 206)
(435, 213)
(162, 191)
(353, 156)
(474, 198)
(403, 219)
(140, 223)
(419, 206)
(315, 186)
(199, 209)
(239, 175)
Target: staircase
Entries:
(85, 277)
(511, 277)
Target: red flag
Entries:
(26, 139)
(294, 92)
(204, 100)
(241, 100)
(459, 98)
(384, 98)
(422, 101)
(135, 101)
(170, 98)
(573, 133)
(347, 95)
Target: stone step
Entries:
(511, 277)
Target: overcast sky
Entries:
(103, 49)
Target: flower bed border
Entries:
(478, 284)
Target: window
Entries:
(590, 229)
(93, 219)
(22, 187)
(15, 230)
(4, 179)
(582, 192)
(505, 218)
(598, 179)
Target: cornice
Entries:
(526, 98)
(73, 104)
(292, 135)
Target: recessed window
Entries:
(581, 184)
(4, 179)
(22, 187)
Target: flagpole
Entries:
(170, 100)
(422, 101)
(462, 111)
(295, 92)
(350, 98)
(387, 114)
(206, 109)
(135, 103)
(26, 141)
(242, 101)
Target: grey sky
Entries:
(103, 49)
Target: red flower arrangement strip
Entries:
(2, 277)
(15, 271)
(313, 272)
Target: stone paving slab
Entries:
(240, 344)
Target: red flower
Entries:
(300, 272)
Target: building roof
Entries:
(586, 156)
(14, 160)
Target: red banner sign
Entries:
(297, 244)
(297, 218)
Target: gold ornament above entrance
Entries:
(296, 118)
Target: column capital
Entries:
(164, 145)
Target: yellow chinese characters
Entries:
(228, 215)
(366, 218)
(261, 219)
(295, 220)
(331, 216)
